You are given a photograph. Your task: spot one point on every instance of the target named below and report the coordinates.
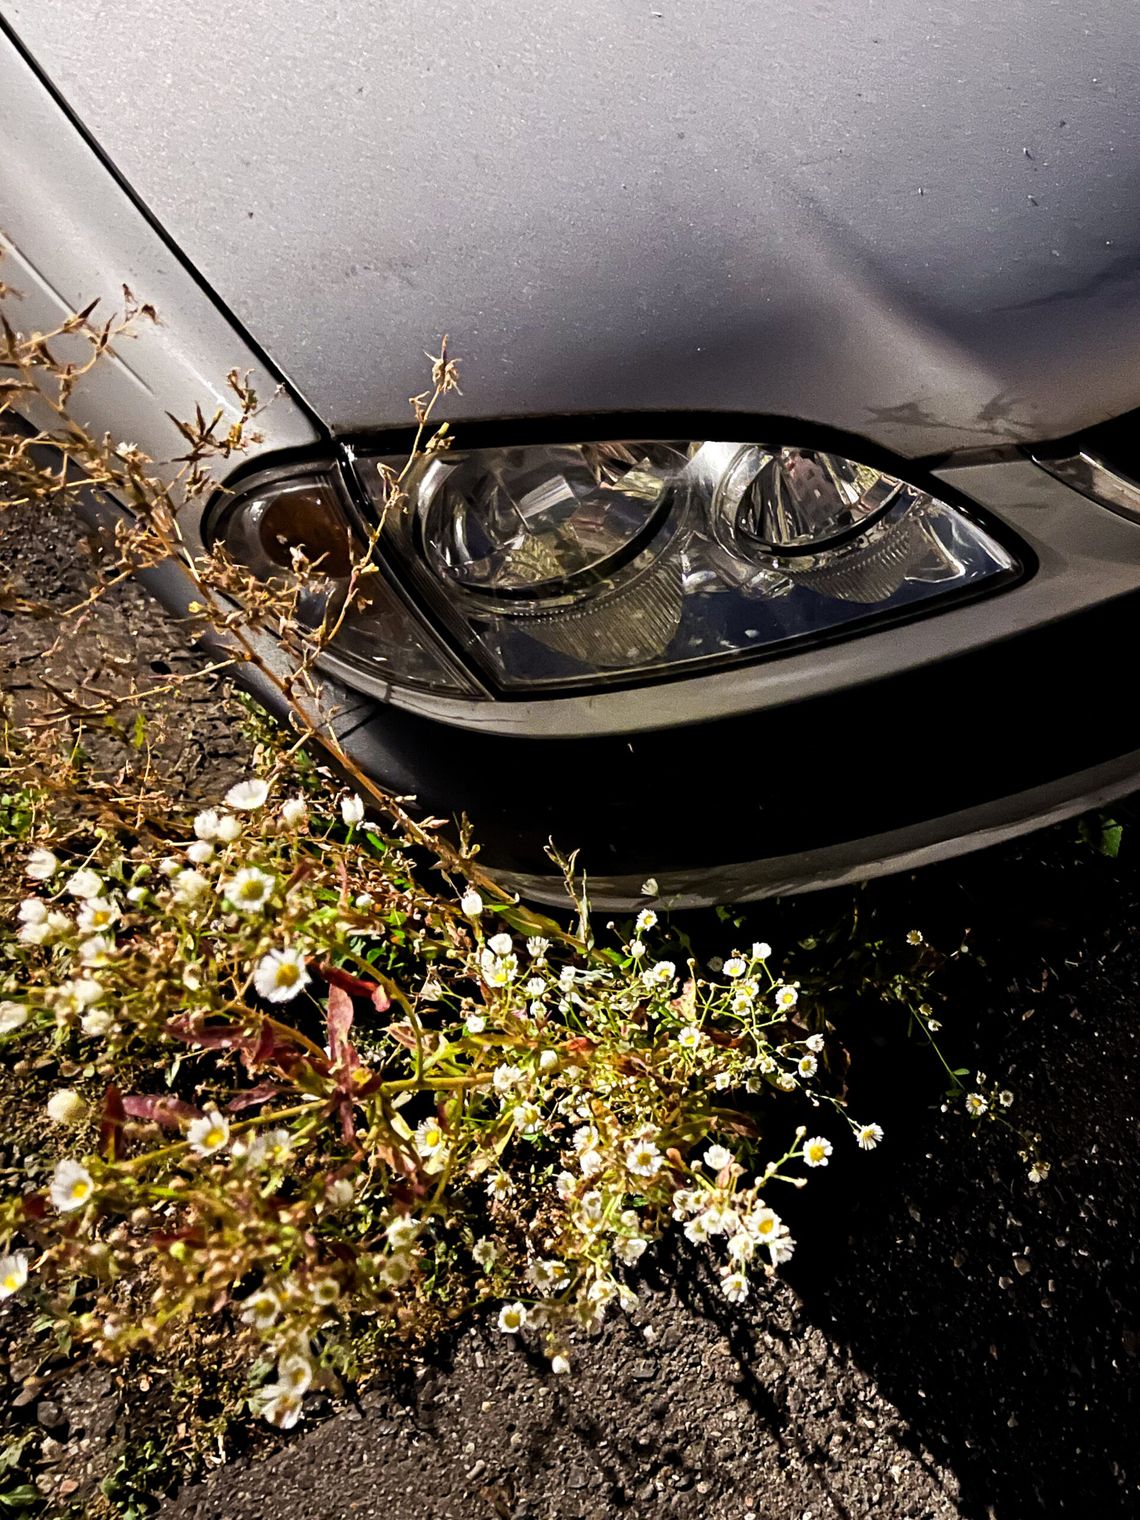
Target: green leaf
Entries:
(21, 1498)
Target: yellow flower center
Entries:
(80, 1190)
(215, 1137)
(287, 973)
(11, 1282)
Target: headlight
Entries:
(578, 564)
(570, 564)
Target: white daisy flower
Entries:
(765, 1224)
(13, 1273)
(97, 914)
(559, 1364)
(499, 970)
(761, 951)
(636, 948)
(206, 825)
(280, 975)
(500, 1187)
(228, 828)
(643, 1159)
(33, 910)
(280, 1405)
(501, 944)
(734, 967)
(734, 1286)
(484, 1253)
(528, 1116)
(12, 1016)
(697, 1230)
(976, 1105)
(295, 1373)
(535, 987)
(649, 887)
(395, 1271)
(536, 948)
(74, 996)
(340, 1192)
(429, 1137)
(815, 1042)
(200, 852)
(402, 1231)
(189, 887)
(475, 1023)
(689, 1037)
(267, 1148)
(471, 903)
(42, 865)
(294, 811)
(71, 1186)
(786, 997)
(914, 937)
(84, 883)
(96, 1022)
(1005, 1098)
(248, 796)
(352, 810)
(324, 1291)
(868, 1136)
(660, 974)
(565, 1185)
(505, 1077)
(816, 1151)
(717, 1157)
(208, 1134)
(261, 1309)
(96, 951)
(781, 1249)
(249, 890)
(66, 1107)
(630, 1249)
(646, 920)
(591, 1161)
(512, 1318)
(807, 1065)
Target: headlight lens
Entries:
(570, 564)
(573, 565)
(379, 637)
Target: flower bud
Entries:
(66, 1107)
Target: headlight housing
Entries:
(562, 566)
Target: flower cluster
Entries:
(394, 1105)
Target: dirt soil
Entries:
(951, 1340)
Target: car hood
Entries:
(913, 221)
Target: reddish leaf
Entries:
(344, 1057)
(255, 1095)
(347, 1122)
(111, 1121)
(356, 986)
(160, 1108)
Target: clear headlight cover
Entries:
(574, 564)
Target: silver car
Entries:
(791, 531)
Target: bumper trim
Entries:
(902, 849)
